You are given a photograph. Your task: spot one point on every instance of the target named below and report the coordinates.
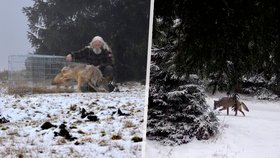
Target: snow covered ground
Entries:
(110, 136)
(255, 136)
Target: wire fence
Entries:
(33, 73)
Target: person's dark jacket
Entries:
(86, 55)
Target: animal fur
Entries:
(228, 102)
(83, 74)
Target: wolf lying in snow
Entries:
(228, 102)
(83, 74)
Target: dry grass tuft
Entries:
(116, 137)
(21, 90)
(20, 155)
(4, 75)
(118, 146)
(73, 107)
(103, 143)
(136, 139)
(61, 141)
(87, 139)
(103, 133)
(128, 124)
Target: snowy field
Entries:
(115, 134)
(257, 135)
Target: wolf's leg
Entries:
(94, 87)
(102, 89)
(235, 106)
(79, 84)
(227, 110)
(235, 112)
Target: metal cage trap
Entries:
(33, 73)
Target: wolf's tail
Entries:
(244, 106)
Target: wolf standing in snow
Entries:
(228, 102)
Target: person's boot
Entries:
(111, 87)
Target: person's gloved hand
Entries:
(69, 57)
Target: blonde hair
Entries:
(98, 38)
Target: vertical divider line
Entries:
(147, 78)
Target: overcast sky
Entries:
(13, 30)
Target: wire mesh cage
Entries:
(33, 73)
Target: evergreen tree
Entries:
(177, 107)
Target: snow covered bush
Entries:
(177, 108)
(262, 86)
